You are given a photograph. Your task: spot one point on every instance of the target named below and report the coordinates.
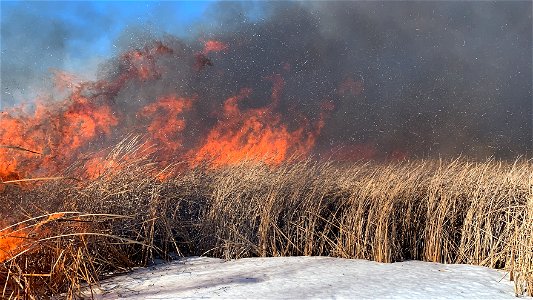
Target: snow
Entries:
(307, 277)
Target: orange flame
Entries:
(16, 240)
(56, 139)
(255, 134)
(167, 120)
(50, 136)
(214, 46)
(11, 243)
(57, 135)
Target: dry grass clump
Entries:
(57, 254)
(443, 211)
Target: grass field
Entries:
(60, 233)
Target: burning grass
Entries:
(443, 211)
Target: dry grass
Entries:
(443, 211)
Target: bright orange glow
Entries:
(16, 240)
(95, 166)
(51, 136)
(58, 133)
(55, 141)
(48, 137)
(167, 121)
(11, 243)
(214, 46)
(254, 134)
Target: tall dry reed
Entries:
(434, 210)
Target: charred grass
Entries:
(73, 233)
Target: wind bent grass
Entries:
(455, 211)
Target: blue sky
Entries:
(100, 23)
(38, 36)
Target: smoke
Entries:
(36, 40)
(423, 78)
(21, 61)
(395, 78)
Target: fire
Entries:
(167, 120)
(53, 140)
(83, 121)
(96, 166)
(141, 63)
(49, 137)
(214, 46)
(57, 134)
(254, 134)
(14, 240)
(11, 243)
(201, 58)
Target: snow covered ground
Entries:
(307, 277)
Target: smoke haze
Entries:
(389, 79)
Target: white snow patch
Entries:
(307, 277)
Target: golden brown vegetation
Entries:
(443, 211)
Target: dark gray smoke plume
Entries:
(423, 78)
(402, 79)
